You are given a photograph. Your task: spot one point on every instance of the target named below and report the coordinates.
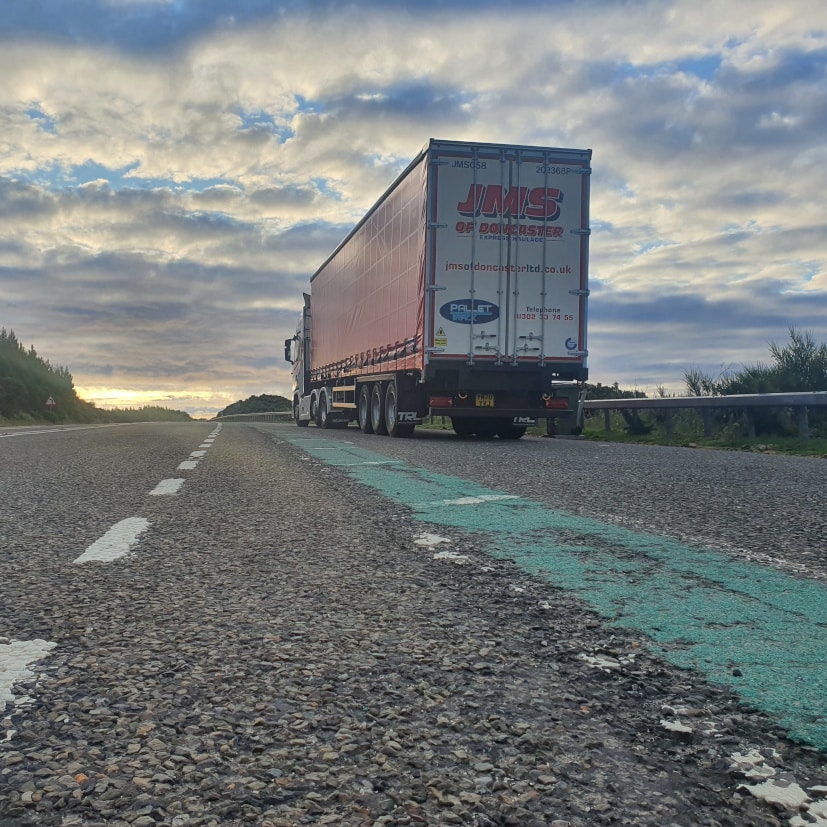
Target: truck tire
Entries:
(462, 425)
(377, 409)
(486, 428)
(363, 410)
(511, 431)
(299, 422)
(392, 414)
(324, 412)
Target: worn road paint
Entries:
(16, 659)
(485, 498)
(116, 542)
(748, 626)
(170, 486)
(188, 465)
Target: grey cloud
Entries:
(663, 118)
(20, 200)
(256, 134)
(283, 196)
(125, 312)
(766, 306)
(203, 224)
(788, 68)
(316, 237)
(746, 198)
(645, 338)
(12, 248)
(218, 196)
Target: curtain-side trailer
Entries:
(462, 293)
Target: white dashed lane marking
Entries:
(120, 539)
(116, 542)
(170, 486)
(18, 657)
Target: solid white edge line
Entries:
(116, 542)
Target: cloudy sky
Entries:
(172, 171)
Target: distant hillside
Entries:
(257, 404)
(146, 413)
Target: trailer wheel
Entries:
(462, 425)
(392, 414)
(324, 412)
(377, 409)
(511, 431)
(486, 429)
(363, 411)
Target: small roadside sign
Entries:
(50, 403)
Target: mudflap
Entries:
(410, 400)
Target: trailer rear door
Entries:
(508, 248)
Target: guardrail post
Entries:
(668, 426)
(607, 420)
(707, 414)
(803, 426)
(751, 423)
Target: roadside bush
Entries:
(800, 365)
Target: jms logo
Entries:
(466, 311)
(490, 200)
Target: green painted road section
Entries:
(741, 624)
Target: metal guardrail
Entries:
(706, 404)
(262, 416)
(798, 401)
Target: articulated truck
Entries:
(462, 293)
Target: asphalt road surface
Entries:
(264, 624)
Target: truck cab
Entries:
(297, 353)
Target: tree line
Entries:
(28, 382)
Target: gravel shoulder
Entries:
(279, 651)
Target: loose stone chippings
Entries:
(282, 652)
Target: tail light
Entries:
(440, 402)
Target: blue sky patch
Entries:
(46, 122)
(59, 177)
